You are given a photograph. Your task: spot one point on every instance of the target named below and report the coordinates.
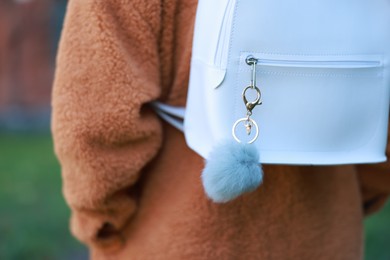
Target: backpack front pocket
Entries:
(312, 105)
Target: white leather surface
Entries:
(323, 71)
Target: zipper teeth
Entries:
(320, 64)
(224, 38)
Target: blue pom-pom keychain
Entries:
(231, 170)
(233, 167)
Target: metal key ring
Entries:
(247, 120)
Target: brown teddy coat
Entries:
(132, 183)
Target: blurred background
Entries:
(33, 214)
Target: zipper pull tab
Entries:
(252, 61)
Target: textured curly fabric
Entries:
(133, 185)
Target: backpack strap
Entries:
(171, 114)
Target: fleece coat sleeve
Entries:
(104, 133)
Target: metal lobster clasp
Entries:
(251, 105)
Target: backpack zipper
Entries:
(320, 62)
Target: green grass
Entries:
(33, 214)
(34, 217)
(377, 229)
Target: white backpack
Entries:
(322, 69)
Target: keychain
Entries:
(233, 166)
(248, 121)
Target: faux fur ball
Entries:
(231, 170)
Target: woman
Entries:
(132, 183)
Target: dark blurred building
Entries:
(29, 32)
